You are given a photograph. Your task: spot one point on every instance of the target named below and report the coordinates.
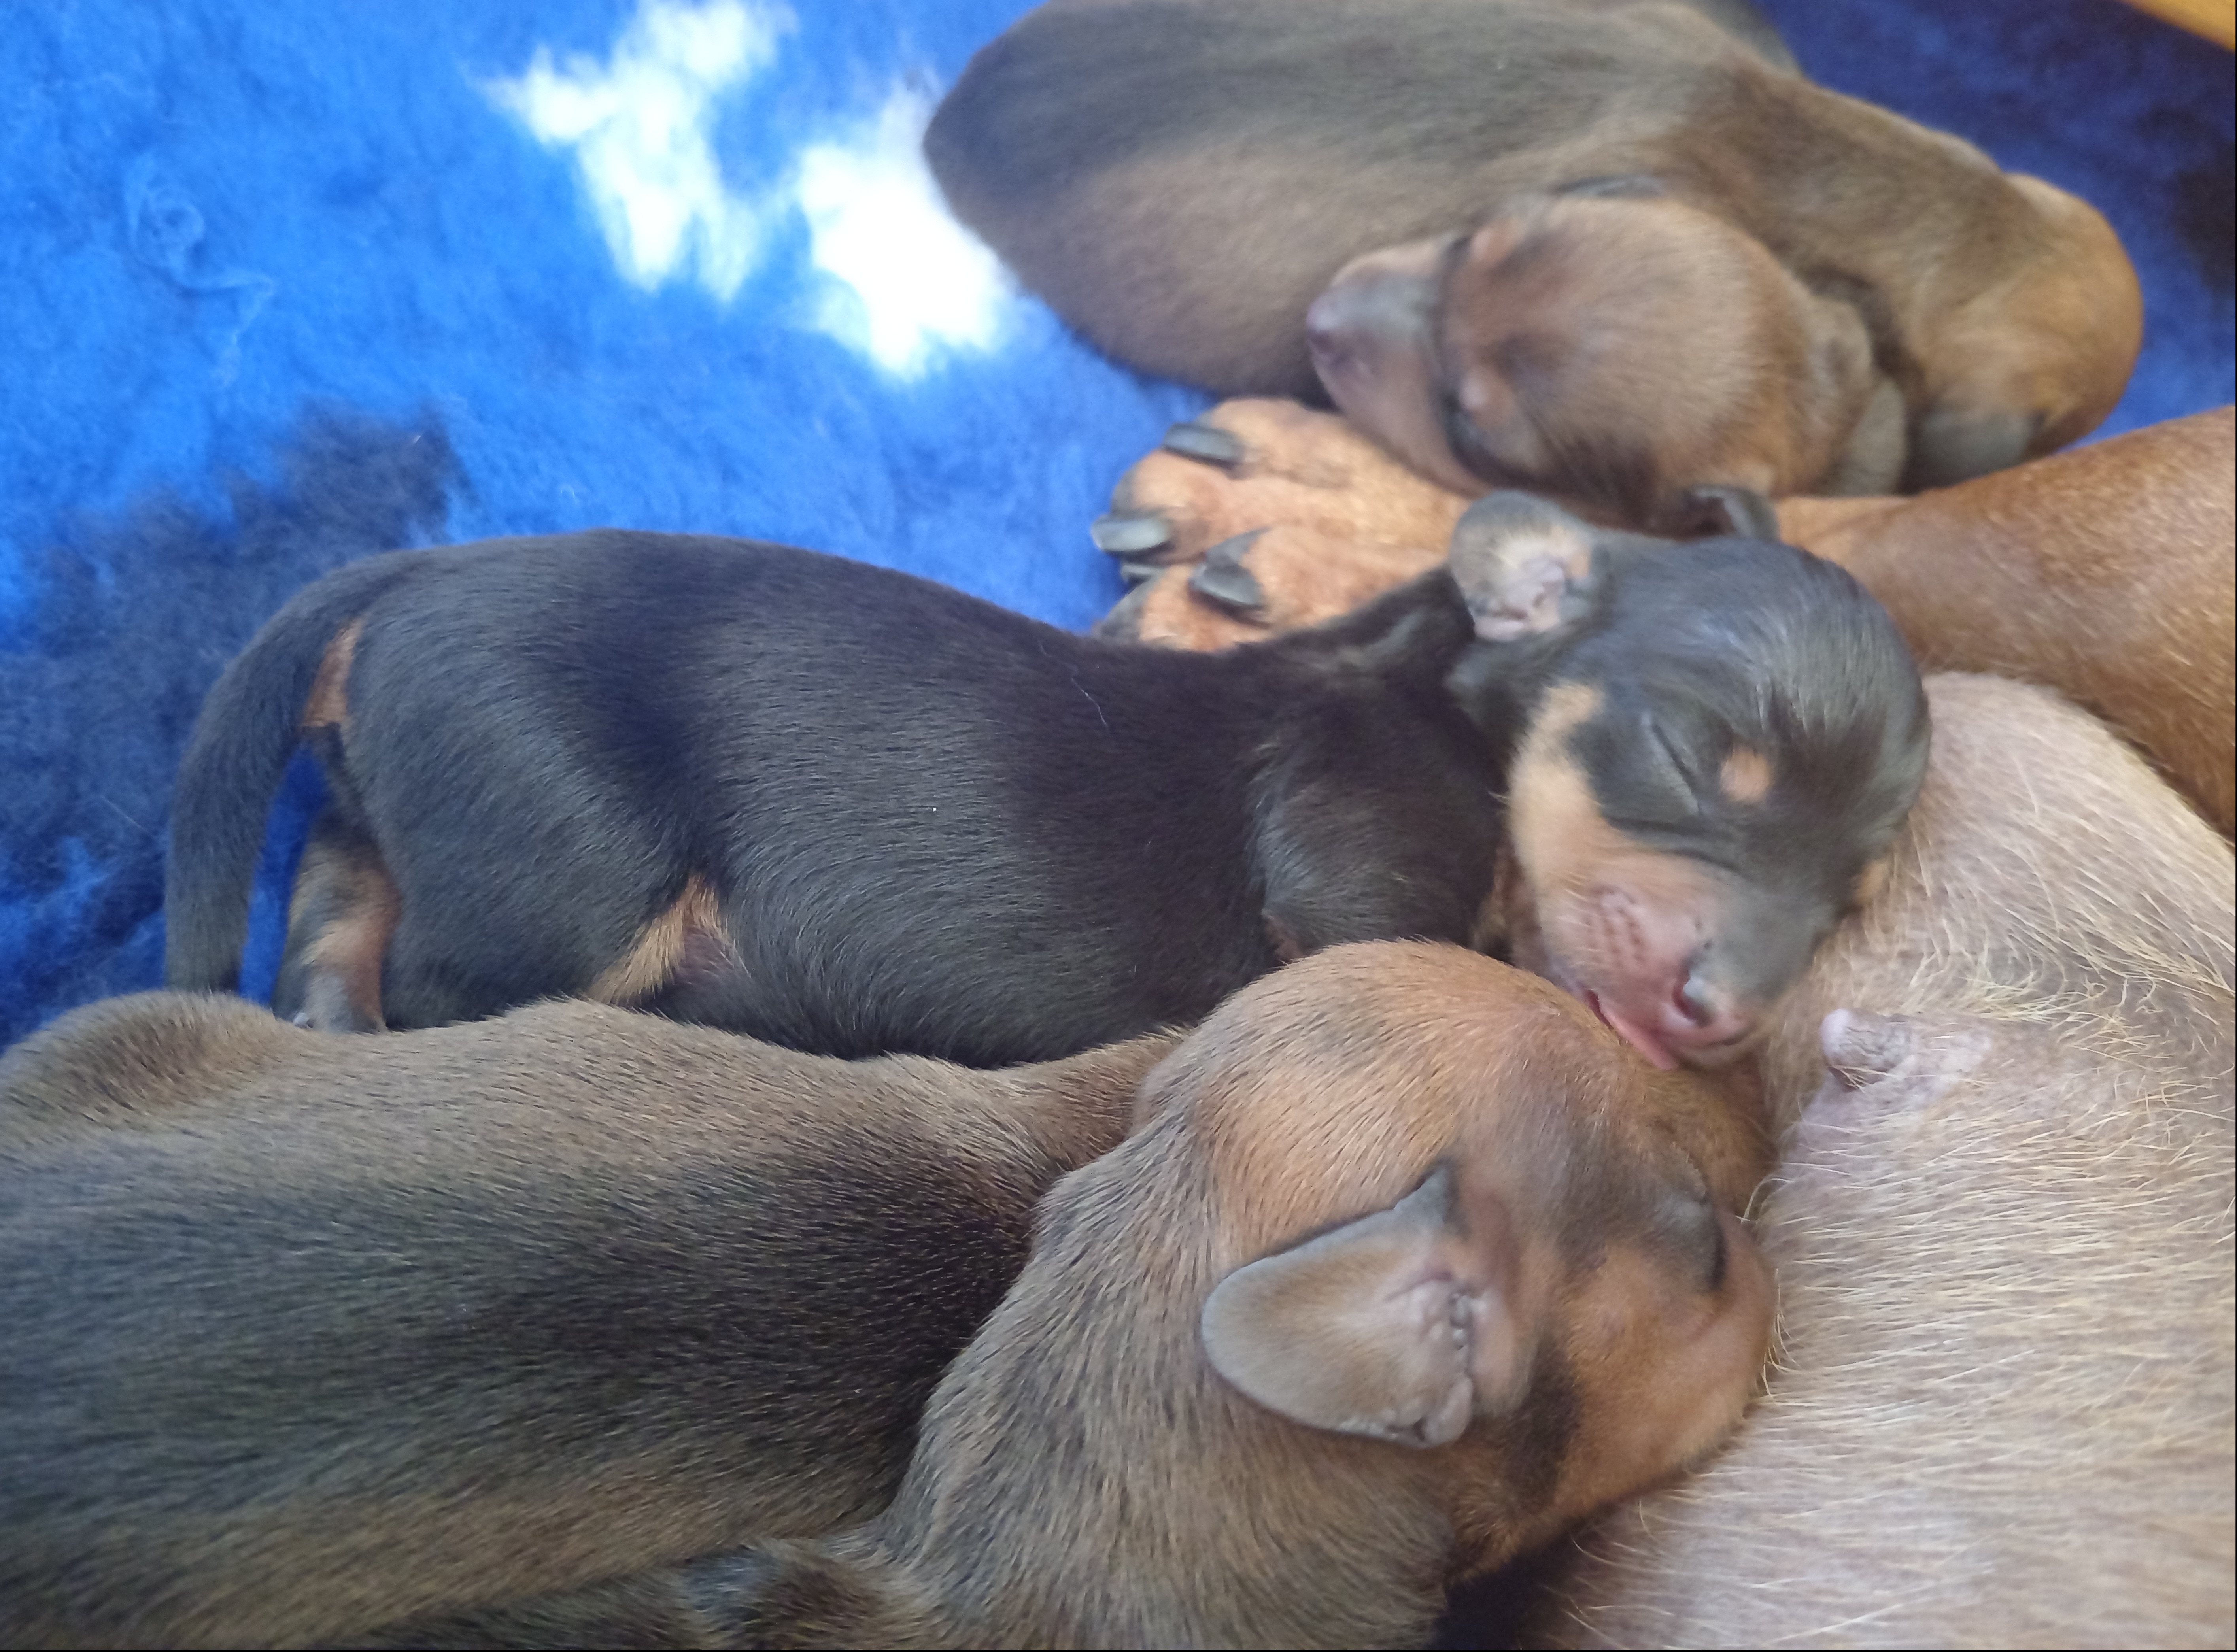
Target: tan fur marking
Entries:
(653, 962)
(1870, 882)
(1568, 705)
(1559, 835)
(346, 958)
(1745, 775)
(328, 706)
(1571, 855)
(1564, 842)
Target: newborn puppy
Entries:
(2002, 1411)
(306, 1332)
(1620, 351)
(1409, 1267)
(2105, 573)
(1699, 798)
(1605, 253)
(847, 810)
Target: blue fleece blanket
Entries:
(287, 285)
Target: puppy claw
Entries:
(1207, 444)
(1226, 583)
(1129, 535)
(1124, 622)
(1137, 570)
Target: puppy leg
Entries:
(340, 919)
(1263, 515)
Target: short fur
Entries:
(2109, 573)
(1688, 831)
(1618, 349)
(304, 1333)
(847, 810)
(1182, 181)
(929, 825)
(2105, 573)
(1085, 1476)
(2002, 1413)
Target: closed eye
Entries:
(1661, 761)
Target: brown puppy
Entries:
(2109, 573)
(306, 1332)
(2002, 1413)
(1608, 252)
(1616, 351)
(1410, 1266)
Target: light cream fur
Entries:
(2001, 1409)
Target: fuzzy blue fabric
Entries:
(287, 285)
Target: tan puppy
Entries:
(2002, 1413)
(1603, 253)
(1617, 352)
(1411, 1266)
(2105, 573)
(306, 1332)
(2109, 573)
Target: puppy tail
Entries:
(241, 744)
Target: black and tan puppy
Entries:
(1606, 253)
(2002, 1410)
(847, 810)
(1409, 1267)
(306, 1332)
(2107, 572)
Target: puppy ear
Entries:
(1954, 444)
(1392, 1326)
(1525, 568)
(1713, 511)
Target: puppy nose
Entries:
(1702, 1015)
(1696, 1002)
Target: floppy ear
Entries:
(1714, 510)
(1954, 444)
(1393, 1327)
(1525, 568)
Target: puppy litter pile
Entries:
(288, 288)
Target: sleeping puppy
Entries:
(2105, 572)
(1602, 252)
(1618, 350)
(847, 810)
(2002, 1411)
(306, 1332)
(1409, 1267)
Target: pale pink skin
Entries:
(1632, 961)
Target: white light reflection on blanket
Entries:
(906, 282)
(639, 129)
(914, 280)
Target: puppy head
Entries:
(1609, 350)
(2038, 358)
(1455, 1218)
(1719, 741)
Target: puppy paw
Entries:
(1263, 515)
